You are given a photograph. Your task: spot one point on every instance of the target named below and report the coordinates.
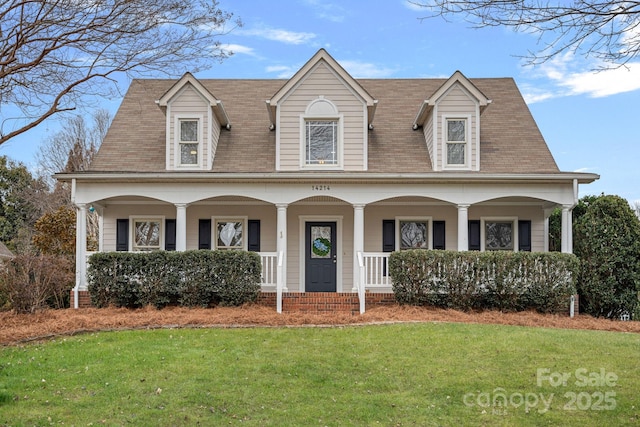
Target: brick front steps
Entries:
(325, 302)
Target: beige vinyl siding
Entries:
(216, 128)
(456, 103)
(189, 104)
(265, 213)
(375, 214)
(322, 82)
(427, 129)
(535, 214)
(118, 211)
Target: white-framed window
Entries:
(147, 233)
(189, 141)
(456, 135)
(321, 136)
(499, 234)
(413, 233)
(230, 233)
(321, 142)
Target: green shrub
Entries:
(192, 278)
(607, 241)
(507, 281)
(237, 275)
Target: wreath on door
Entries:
(321, 247)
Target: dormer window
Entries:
(321, 135)
(456, 142)
(189, 141)
(321, 142)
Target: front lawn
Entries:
(403, 374)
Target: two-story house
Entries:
(322, 174)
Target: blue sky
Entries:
(588, 118)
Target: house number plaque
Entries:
(317, 187)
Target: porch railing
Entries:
(374, 273)
(269, 275)
(376, 269)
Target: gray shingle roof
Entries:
(510, 140)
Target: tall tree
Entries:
(607, 241)
(605, 29)
(54, 52)
(72, 148)
(15, 210)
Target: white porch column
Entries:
(281, 245)
(546, 234)
(463, 227)
(81, 252)
(358, 242)
(566, 245)
(181, 227)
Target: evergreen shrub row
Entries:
(508, 281)
(192, 278)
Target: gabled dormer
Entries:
(194, 120)
(450, 120)
(321, 117)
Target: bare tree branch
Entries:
(54, 52)
(606, 30)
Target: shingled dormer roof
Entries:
(456, 78)
(322, 56)
(189, 79)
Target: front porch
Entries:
(334, 237)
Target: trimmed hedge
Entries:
(508, 281)
(192, 278)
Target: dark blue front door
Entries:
(320, 256)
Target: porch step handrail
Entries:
(279, 282)
(361, 283)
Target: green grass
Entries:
(409, 375)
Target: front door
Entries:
(320, 257)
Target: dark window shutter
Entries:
(204, 234)
(524, 236)
(474, 235)
(122, 234)
(388, 235)
(438, 235)
(169, 234)
(253, 235)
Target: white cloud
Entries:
(283, 71)
(237, 48)
(598, 84)
(584, 170)
(566, 74)
(284, 36)
(361, 70)
(532, 94)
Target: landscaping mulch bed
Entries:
(22, 328)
